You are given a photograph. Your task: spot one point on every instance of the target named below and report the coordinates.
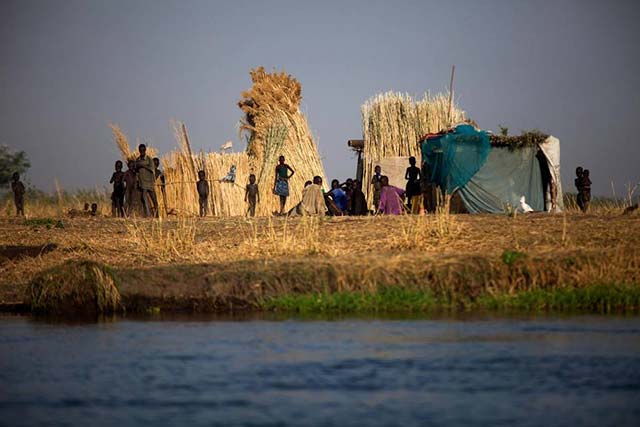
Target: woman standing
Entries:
(281, 184)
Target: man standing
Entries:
(146, 181)
(18, 193)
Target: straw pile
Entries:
(393, 123)
(275, 127)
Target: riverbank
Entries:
(412, 264)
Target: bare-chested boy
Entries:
(203, 193)
(251, 195)
(117, 197)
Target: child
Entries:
(390, 198)
(412, 175)
(203, 193)
(339, 196)
(376, 182)
(252, 195)
(585, 190)
(163, 182)
(130, 187)
(578, 183)
(117, 197)
(358, 203)
(281, 183)
(18, 193)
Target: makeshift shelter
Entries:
(491, 173)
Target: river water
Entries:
(195, 371)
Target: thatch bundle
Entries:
(275, 127)
(122, 141)
(393, 123)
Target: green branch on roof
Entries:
(527, 138)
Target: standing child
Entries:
(130, 187)
(18, 193)
(117, 197)
(376, 182)
(281, 183)
(585, 191)
(578, 183)
(251, 195)
(203, 193)
(163, 182)
(412, 175)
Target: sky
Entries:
(68, 68)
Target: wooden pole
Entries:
(453, 69)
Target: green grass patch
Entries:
(389, 299)
(47, 223)
(595, 298)
(602, 298)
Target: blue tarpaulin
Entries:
(455, 157)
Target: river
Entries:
(265, 371)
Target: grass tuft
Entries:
(75, 287)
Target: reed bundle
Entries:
(393, 123)
(122, 142)
(276, 127)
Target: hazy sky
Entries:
(67, 68)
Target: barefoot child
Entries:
(117, 197)
(203, 193)
(251, 195)
(18, 193)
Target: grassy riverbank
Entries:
(343, 265)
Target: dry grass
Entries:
(165, 240)
(430, 231)
(277, 237)
(216, 262)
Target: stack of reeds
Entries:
(393, 123)
(276, 127)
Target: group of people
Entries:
(348, 198)
(134, 191)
